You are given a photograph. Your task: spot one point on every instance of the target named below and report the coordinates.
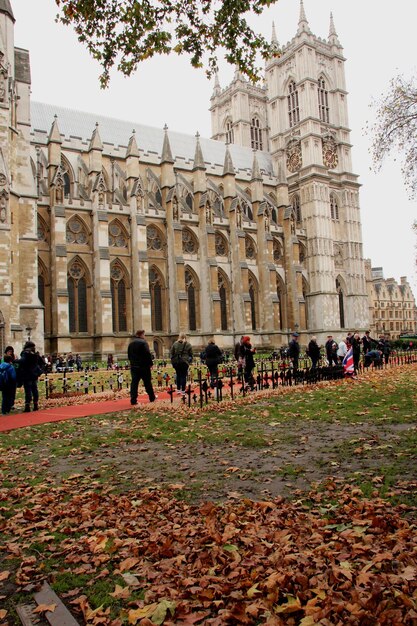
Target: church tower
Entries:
(310, 138)
(21, 313)
(305, 109)
(239, 113)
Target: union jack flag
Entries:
(348, 363)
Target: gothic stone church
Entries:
(256, 231)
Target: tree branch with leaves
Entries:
(124, 33)
(395, 129)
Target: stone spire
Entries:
(6, 7)
(274, 39)
(333, 38)
(166, 156)
(132, 148)
(228, 163)
(217, 88)
(198, 157)
(256, 172)
(95, 141)
(303, 25)
(54, 134)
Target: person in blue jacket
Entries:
(8, 384)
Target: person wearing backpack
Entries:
(7, 384)
(31, 367)
(181, 357)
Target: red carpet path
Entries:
(58, 414)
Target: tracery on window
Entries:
(117, 235)
(76, 231)
(189, 242)
(77, 297)
(293, 106)
(277, 251)
(323, 101)
(221, 246)
(250, 250)
(256, 134)
(42, 230)
(119, 300)
(153, 238)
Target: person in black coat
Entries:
(30, 367)
(313, 351)
(141, 363)
(214, 356)
(294, 351)
(249, 362)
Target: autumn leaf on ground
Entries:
(42, 608)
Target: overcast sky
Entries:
(379, 42)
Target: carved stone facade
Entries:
(104, 231)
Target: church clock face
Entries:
(330, 158)
(294, 160)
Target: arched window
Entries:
(153, 238)
(156, 290)
(250, 250)
(277, 251)
(189, 201)
(323, 101)
(253, 295)
(229, 132)
(246, 209)
(191, 288)
(118, 297)
(293, 106)
(341, 304)
(67, 185)
(256, 134)
(67, 176)
(223, 293)
(281, 301)
(76, 231)
(296, 205)
(189, 242)
(117, 235)
(221, 245)
(77, 297)
(334, 207)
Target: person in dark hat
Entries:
(294, 351)
(30, 368)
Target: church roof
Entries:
(116, 133)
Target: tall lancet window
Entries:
(323, 101)
(293, 106)
(229, 132)
(77, 298)
(191, 291)
(256, 134)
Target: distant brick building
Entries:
(392, 306)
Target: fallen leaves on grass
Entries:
(242, 562)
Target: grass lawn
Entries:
(173, 515)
